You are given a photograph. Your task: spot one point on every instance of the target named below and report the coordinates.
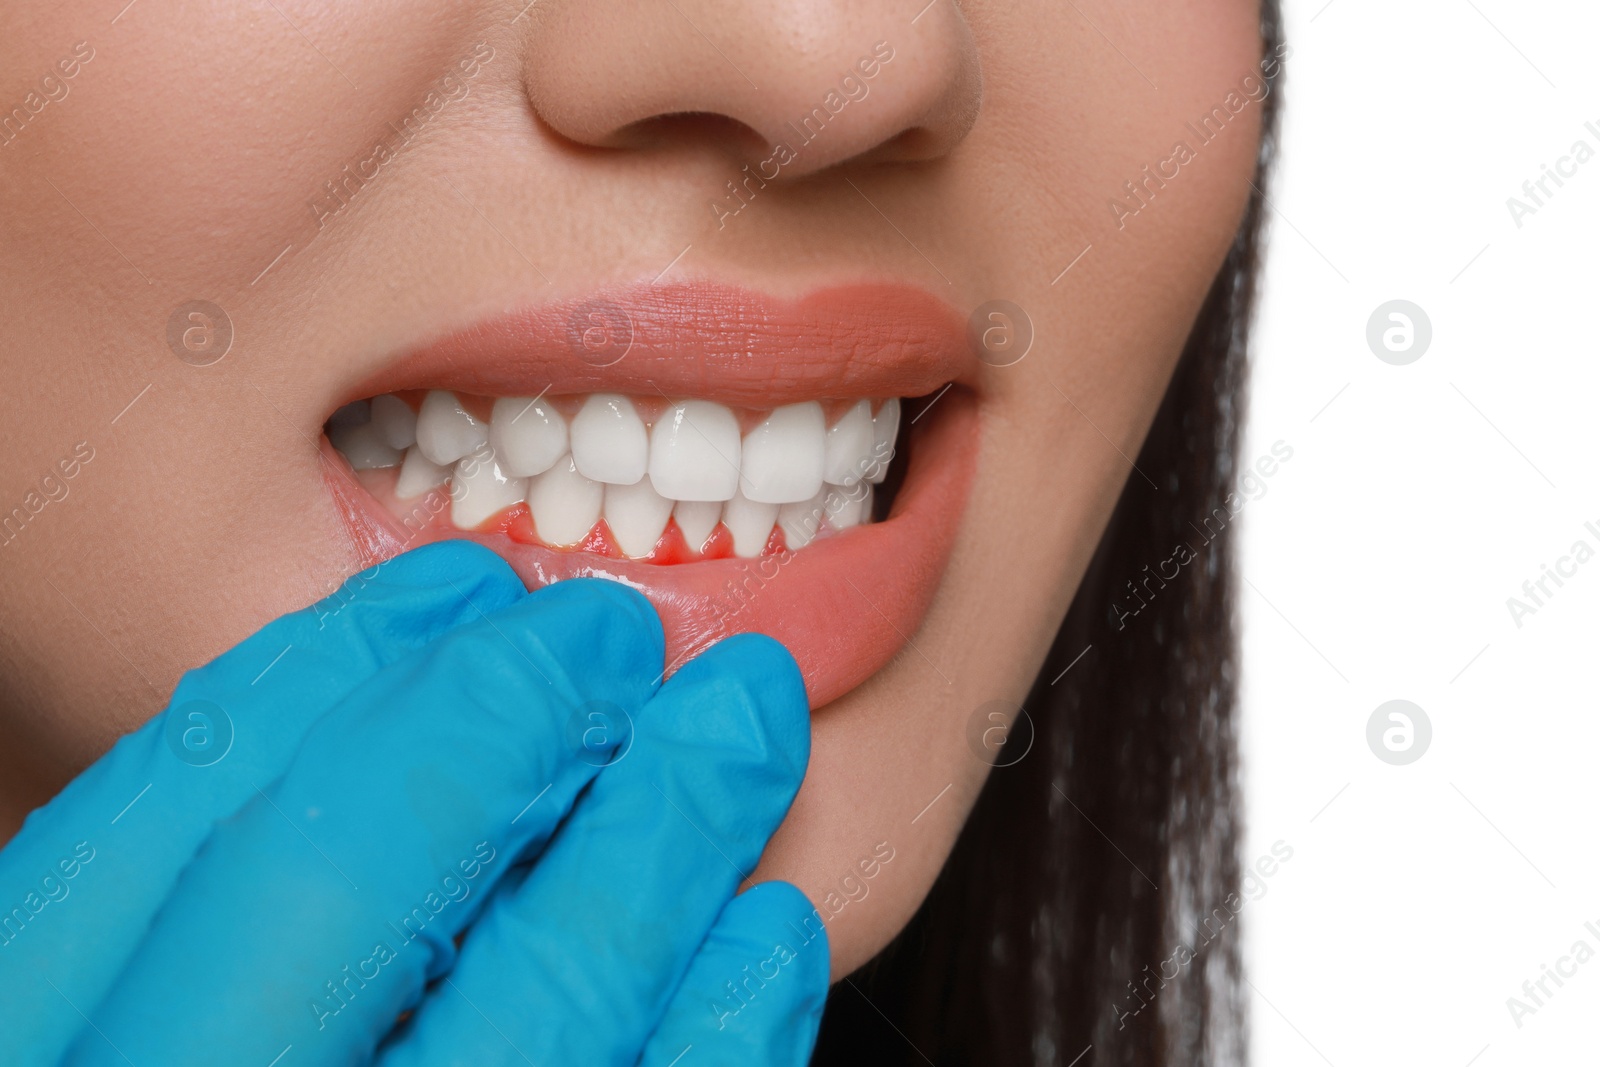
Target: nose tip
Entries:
(827, 80)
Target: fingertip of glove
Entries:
(758, 656)
(770, 679)
(461, 562)
(777, 907)
(614, 604)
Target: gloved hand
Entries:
(278, 867)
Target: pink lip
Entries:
(845, 604)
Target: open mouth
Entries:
(748, 464)
(665, 482)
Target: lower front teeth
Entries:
(565, 504)
(697, 520)
(576, 461)
(750, 524)
(479, 489)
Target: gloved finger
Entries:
(317, 914)
(755, 991)
(577, 964)
(81, 881)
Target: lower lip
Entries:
(843, 605)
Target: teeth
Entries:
(694, 452)
(801, 521)
(847, 454)
(362, 447)
(783, 456)
(750, 523)
(445, 431)
(848, 506)
(690, 464)
(528, 435)
(565, 504)
(696, 520)
(479, 489)
(637, 516)
(394, 421)
(884, 428)
(418, 474)
(609, 443)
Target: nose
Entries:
(829, 80)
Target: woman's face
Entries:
(748, 207)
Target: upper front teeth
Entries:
(575, 461)
(783, 456)
(694, 452)
(609, 441)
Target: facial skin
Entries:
(178, 162)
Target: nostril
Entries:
(908, 146)
(707, 130)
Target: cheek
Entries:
(223, 125)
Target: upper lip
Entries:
(707, 340)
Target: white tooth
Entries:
(609, 443)
(418, 474)
(394, 420)
(528, 435)
(885, 425)
(637, 516)
(848, 505)
(696, 520)
(848, 452)
(694, 452)
(782, 460)
(479, 489)
(801, 521)
(362, 447)
(445, 432)
(565, 504)
(750, 523)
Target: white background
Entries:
(1418, 500)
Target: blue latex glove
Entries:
(278, 867)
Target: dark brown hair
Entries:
(1053, 927)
